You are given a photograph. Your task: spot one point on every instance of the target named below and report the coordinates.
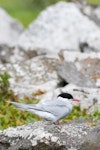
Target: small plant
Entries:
(5, 92)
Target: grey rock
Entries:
(93, 12)
(87, 64)
(10, 30)
(31, 75)
(44, 135)
(92, 140)
(90, 68)
(90, 10)
(97, 14)
(54, 30)
(68, 72)
(65, 55)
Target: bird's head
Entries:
(68, 97)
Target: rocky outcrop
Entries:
(44, 135)
(54, 30)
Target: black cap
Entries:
(66, 95)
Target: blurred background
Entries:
(28, 71)
(27, 10)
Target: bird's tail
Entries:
(20, 106)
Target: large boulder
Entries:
(61, 26)
(43, 135)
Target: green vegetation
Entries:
(10, 116)
(94, 1)
(5, 92)
(20, 10)
(83, 115)
(26, 11)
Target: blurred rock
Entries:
(90, 68)
(64, 55)
(68, 72)
(92, 140)
(90, 10)
(31, 75)
(93, 12)
(10, 30)
(54, 30)
(81, 69)
(44, 135)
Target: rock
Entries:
(10, 30)
(54, 30)
(90, 68)
(65, 55)
(92, 140)
(80, 68)
(31, 75)
(90, 10)
(93, 12)
(68, 72)
(97, 14)
(44, 135)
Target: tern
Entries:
(52, 110)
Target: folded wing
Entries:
(50, 110)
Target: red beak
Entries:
(76, 100)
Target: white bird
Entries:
(53, 110)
